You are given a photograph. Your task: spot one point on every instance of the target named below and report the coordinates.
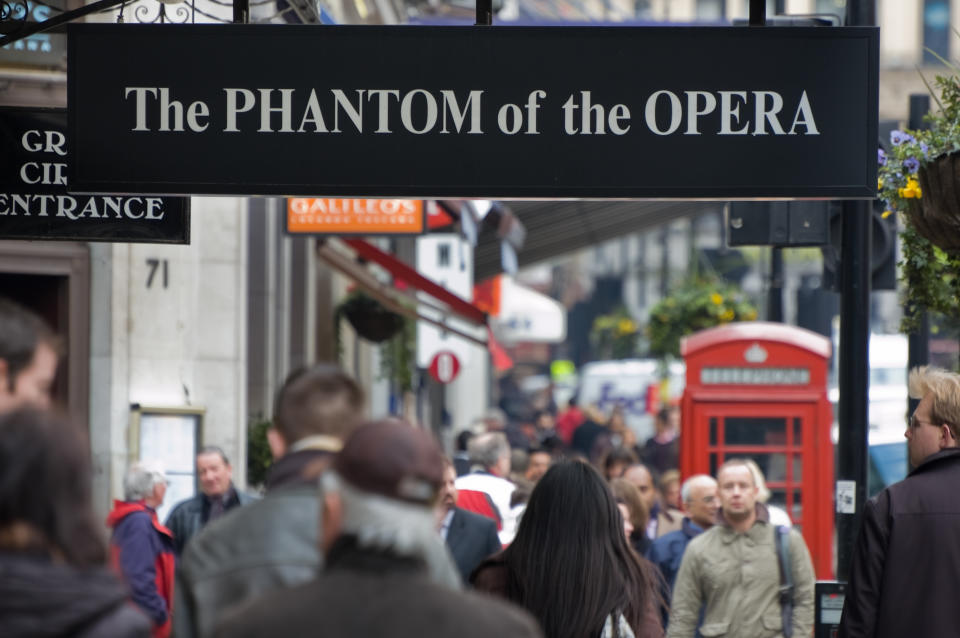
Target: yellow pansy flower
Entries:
(911, 190)
(716, 298)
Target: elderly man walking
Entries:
(732, 571)
(490, 456)
(906, 565)
(141, 548)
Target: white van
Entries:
(626, 383)
(888, 384)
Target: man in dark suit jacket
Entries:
(469, 536)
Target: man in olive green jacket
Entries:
(731, 571)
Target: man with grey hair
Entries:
(490, 458)
(699, 496)
(387, 573)
(906, 560)
(217, 496)
(141, 548)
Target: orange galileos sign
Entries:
(315, 215)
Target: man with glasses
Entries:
(907, 563)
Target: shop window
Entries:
(936, 31)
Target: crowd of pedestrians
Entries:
(368, 529)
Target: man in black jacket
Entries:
(217, 496)
(906, 568)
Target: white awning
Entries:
(527, 315)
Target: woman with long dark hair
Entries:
(54, 579)
(570, 564)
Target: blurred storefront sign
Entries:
(630, 112)
(319, 216)
(35, 202)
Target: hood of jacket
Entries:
(40, 598)
(123, 509)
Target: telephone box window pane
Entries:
(713, 430)
(773, 466)
(796, 512)
(713, 464)
(797, 431)
(755, 431)
(797, 468)
(778, 498)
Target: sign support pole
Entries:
(758, 13)
(854, 340)
(918, 341)
(484, 13)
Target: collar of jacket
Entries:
(763, 517)
(949, 454)
(299, 468)
(345, 554)
(690, 529)
(321, 442)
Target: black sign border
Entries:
(370, 191)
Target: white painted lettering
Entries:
(457, 115)
(676, 113)
(140, 104)
(286, 98)
(807, 122)
(383, 107)
(313, 115)
(406, 111)
(730, 113)
(764, 115)
(511, 112)
(233, 109)
(694, 111)
(355, 113)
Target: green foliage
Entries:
(696, 304)
(932, 278)
(615, 336)
(398, 356)
(259, 457)
(929, 274)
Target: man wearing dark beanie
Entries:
(387, 571)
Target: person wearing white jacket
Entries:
(490, 459)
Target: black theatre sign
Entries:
(34, 198)
(496, 112)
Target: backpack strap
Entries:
(781, 540)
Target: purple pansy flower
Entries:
(899, 137)
(881, 157)
(911, 164)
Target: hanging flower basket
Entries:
(370, 319)
(936, 216)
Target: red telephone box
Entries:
(759, 390)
